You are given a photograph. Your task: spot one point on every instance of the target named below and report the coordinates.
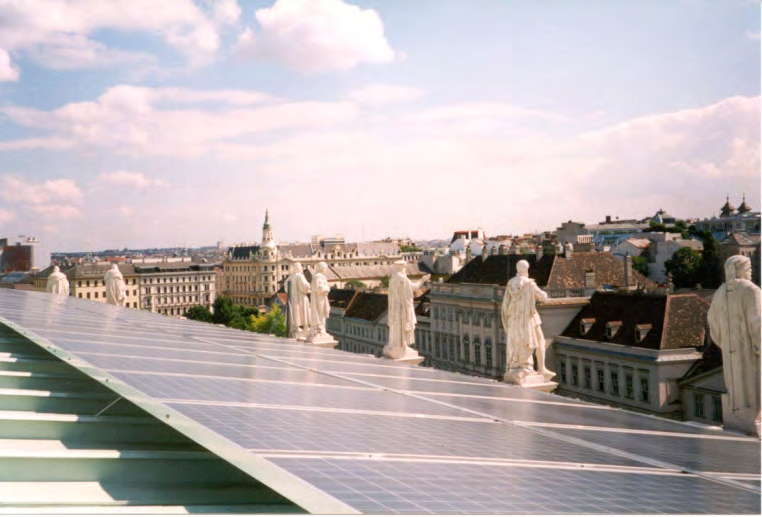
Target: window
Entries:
(716, 408)
(574, 374)
(466, 350)
(452, 349)
(586, 377)
(629, 391)
(615, 381)
(601, 380)
(562, 370)
(437, 345)
(585, 325)
(488, 353)
(641, 331)
(698, 404)
(612, 327)
(477, 352)
(645, 392)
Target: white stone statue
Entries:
(401, 313)
(116, 289)
(319, 307)
(58, 283)
(734, 324)
(523, 331)
(298, 303)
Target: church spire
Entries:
(744, 208)
(268, 241)
(727, 209)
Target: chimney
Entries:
(484, 253)
(608, 218)
(539, 251)
(493, 250)
(568, 250)
(629, 277)
(468, 253)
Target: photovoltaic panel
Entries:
(352, 432)
(415, 487)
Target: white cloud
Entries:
(59, 33)
(131, 179)
(75, 51)
(52, 198)
(316, 36)
(384, 93)
(130, 120)
(125, 210)
(8, 72)
(6, 216)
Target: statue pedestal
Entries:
(531, 380)
(403, 355)
(745, 420)
(324, 340)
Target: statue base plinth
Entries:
(532, 380)
(324, 340)
(744, 420)
(407, 355)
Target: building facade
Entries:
(253, 273)
(172, 288)
(465, 312)
(631, 349)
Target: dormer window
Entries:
(612, 327)
(641, 331)
(585, 325)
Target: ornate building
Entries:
(253, 273)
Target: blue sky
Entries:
(132, 123)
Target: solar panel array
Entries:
(340, 432)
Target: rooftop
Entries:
(336, 432)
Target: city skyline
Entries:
(136, 126)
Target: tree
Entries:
(407, 249)
(224, 309)
(272, 322)
(684, 266)
(199, 313)
(640, 264)
(354, 284)
(385, 281)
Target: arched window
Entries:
(477, 351)
(466, 350)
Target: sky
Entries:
(136, 123)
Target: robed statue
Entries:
(734, 324)
(522, 325)
(298, 303)
(116, 289)
(58, 283)
(401, 313)
(320, 309)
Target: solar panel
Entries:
(338, 432)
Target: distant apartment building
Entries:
(731, 219)
(746, 244)
(86, 281)
(466, 325)
(253, 273)
(631, 349)
(22, 254)
(168, 287)
(173, 287)
(358, 321)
